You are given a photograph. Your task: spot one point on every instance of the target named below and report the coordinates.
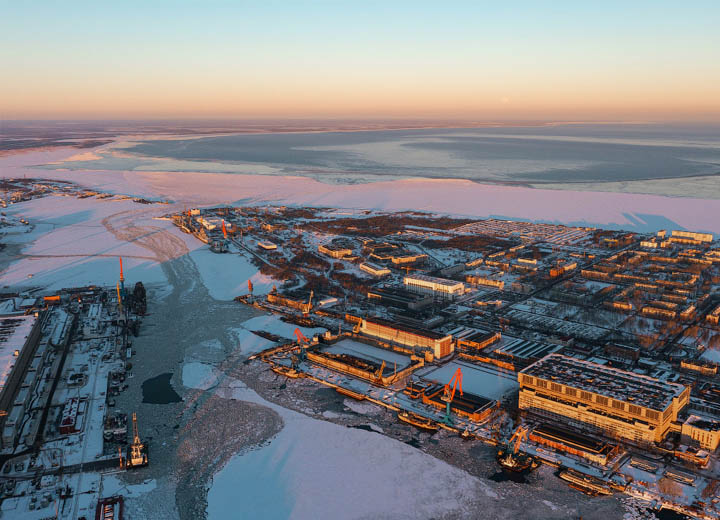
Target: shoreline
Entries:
(613, 209)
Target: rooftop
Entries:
(703, 423)
(433, 279)
(619, 384)
(14, 331)
(525, 349)
(406, 328)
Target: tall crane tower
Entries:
(303, 342)
(449, 394)
(138, 450)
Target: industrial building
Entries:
(442, 287)
(477, 340)
(525, 351)
(374, 269)
(400, 298)
(474, 407)
(365, 359)
(440, 345)
(300, 300)
(574, 443)
(618, 403)
(334, 251)
(19, 338)
(267, 245)
(702, 432)
(397, 257)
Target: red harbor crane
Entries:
(303, 342)
(449, 394)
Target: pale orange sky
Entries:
(231, 59)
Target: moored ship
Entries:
(418, 421)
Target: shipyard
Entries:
(578, 348)
(578, 356)
(66, 357)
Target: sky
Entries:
(478, 60)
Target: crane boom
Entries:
(300, 336)
(456, 382)
(136, 434)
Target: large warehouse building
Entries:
(619, 404)
(440, 344)
(438, 286)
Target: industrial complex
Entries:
(65, 356)
(590, 350)
(586, 349)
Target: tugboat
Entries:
(286, 371)
(511, 458)
(292, 372)
(418, 421)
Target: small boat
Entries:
(418, 421)
(286, 371)
(355, 395)
(516, 462)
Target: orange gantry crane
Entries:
(303, 342)
(519, 435)
(449, 394)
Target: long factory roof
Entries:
(431, 334)
(14, 332)
(433, 279)
(611, 382)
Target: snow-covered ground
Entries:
(71, 243)
(112, 485)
